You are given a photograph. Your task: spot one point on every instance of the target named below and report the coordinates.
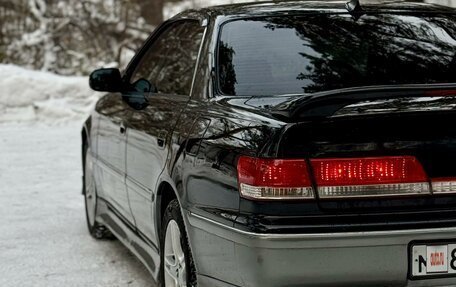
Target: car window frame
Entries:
(136, 60)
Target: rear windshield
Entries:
(313, 53)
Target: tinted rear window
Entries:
(313, 53)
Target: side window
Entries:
(170, 60)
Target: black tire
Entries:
(96, 230)
(173, 212)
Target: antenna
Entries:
(354, 8)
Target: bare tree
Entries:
(72, 36)
(151, 11)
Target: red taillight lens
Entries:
(440, 93)
(273, 178)
(335, 178)
(361, 171)
(379, 176)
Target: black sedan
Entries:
(282, 144)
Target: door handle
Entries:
(122, 128)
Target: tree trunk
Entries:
(151, 11)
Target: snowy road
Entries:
(43, 237)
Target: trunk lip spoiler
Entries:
(325, 104)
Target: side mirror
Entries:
(106, 80)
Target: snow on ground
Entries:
(43, 235)
(30, 96)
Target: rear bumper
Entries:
(226, 256)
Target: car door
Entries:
(110, 164)
(167, 68)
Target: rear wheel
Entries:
(178, 269)
(97, 230)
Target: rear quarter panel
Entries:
(205, 170)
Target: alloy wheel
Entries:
(90, 194)
(175, 267)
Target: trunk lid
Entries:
(402, 122)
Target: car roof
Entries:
(328, 6)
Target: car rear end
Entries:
(362, 197)
(358, 187)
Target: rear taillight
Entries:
(274, 178)
(443, 185)
(440, 93)
(335, 178)
(360, 177)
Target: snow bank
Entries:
(35, 96)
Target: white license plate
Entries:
(433, 260)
